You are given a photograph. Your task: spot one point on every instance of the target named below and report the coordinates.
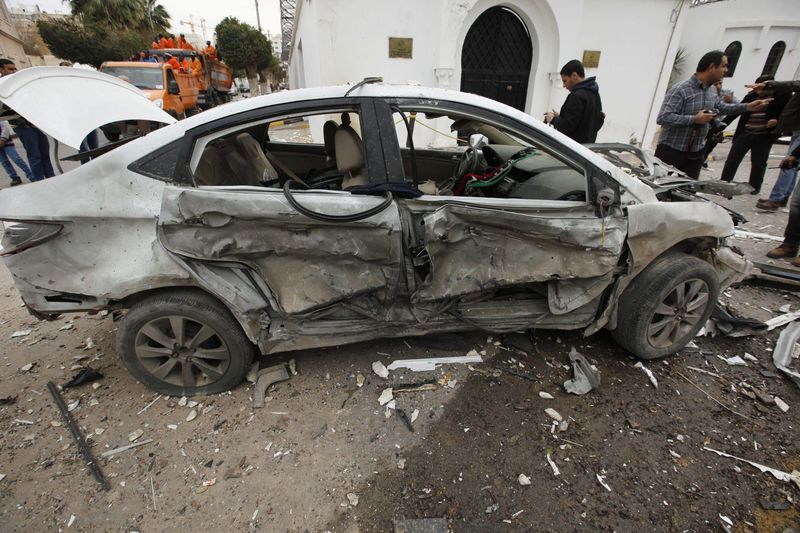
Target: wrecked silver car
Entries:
(222, 237)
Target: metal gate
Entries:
(496, 58)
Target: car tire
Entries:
(184, 343)
(666, 305)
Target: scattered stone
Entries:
(26, 368)
(414, 415)
(750, 357)
(783, 406)
(649, 373)
(524, 480)
(192, 415)
(401, 464)
(734, 361)
(99, 431)
(352, 497)
(292, 367)
(192, 404)
(182, 401)
(552, 413)
(135, 435)
(172, 426)
(73, 405)
(386, 396)
(65, 327)
(21, 333)
(546, 395)
(89, 344)
(360, 379)
(380, 370)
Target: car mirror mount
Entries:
(478, 140)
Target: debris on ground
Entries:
(360, 379)
(552, 413)
(545, 395)
(724, 322)
(192, 415)
(649, 373)
(428, 364)
(293, 367)
(89, 344)
(780, 475)
(265, 378)
(734, 361)
(8, 400)
(784, 350)
(422, 386)
(585, 377)
(380, 370)
(27, 368)
(552, 464)
(86, 375)
(352, 497)
(524, 480)
(21, 333)
(602, 481)
(386, 396)
(146, 407)
(135, 435)
(121, 449)
(783, 406)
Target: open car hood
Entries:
(68, 103)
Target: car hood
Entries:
(68, 103)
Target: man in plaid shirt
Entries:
(688, 109)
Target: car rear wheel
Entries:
(184, 343)
(666, 305)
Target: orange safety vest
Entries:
(170, 43)
(174, 64)
(210, 50)
(197, 66)
(154, 45)
(162, 43)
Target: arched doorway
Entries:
(496, 57)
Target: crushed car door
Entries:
(480, 244)
(69, 103)
(307, 264)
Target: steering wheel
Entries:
(467, 163)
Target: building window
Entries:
(774, 59)
(733, 52)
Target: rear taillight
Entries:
(18, 236)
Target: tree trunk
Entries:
(252, 81)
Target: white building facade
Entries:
(512, 50)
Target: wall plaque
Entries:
(400, 47)
(591, 58)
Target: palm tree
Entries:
(115, 13)
(156, 17)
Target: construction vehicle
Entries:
(215, 79)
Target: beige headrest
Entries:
(251, 151)
(349, 150)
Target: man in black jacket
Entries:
(581, 116)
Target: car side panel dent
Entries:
(306, 264)
(473, 249)
(654, 228)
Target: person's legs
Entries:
(693, 165)
(791, 235)
(9, 168)
(44, 151)
(30, 140)
(759, 153)
(785, 184)
(12, 154)
(739, 148)
(671, 156)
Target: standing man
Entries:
(788, 124)
(36, 145)
(756, 133)
(687, 111)
(581, 116)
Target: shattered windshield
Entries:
(140, 77)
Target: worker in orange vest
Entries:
(197, 67)
(171, 41)
(155, 44)
(183, 44)
(210, 50)
(171, 61)
(162, 41)
(184, 63)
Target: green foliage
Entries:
(677, 66)
(104, 30)
(242, 46)
(71, 40)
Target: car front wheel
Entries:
(666, 305)
(184, 343)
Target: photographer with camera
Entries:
(688, 109)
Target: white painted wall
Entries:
(758, 25)
(344, 41)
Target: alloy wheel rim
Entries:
(182, 351)
(679, 312)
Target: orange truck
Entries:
(174, 92)
(215, 79)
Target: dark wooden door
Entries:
(496, 58)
